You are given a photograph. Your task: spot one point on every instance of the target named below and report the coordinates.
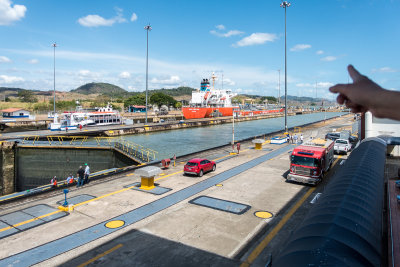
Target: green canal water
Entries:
(185, 141)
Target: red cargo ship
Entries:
(209, 102)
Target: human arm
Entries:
(365, 95)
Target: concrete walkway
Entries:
(164, 229)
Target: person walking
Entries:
(87, 173)
(301, 138)
(295, 139)
(80, 174)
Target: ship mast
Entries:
(213, 77)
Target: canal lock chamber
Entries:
(37, 166)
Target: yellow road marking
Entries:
(167, 175)
(30, 220)
(103, 196)
(130, 174)
(256, 252)
(100, 255)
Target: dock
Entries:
(239, 215)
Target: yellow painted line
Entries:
(167, 175)
(100, 255)
(103, 196)
(256, 252)
(130, 174)
(30, 220)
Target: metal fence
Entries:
(130, 149)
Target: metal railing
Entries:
(135, 150)
(126, 147)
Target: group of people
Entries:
(293, 139)
(82, 174)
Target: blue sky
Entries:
(105, 41)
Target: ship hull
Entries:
(207, 112)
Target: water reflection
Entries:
(186, 141)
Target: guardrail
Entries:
(137, 151)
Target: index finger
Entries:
(338, 88)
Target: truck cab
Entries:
(309, 162)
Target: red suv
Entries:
(199, 166)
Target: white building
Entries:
(15, 113)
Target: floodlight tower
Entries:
(285, 4)
(147, 28)
(54, 78)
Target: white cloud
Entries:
(300, 47)
(256, 39)
(33, 61)
(382, 70)
(4, 59)
(4, 79)
(133, 17)
(328, 58)
(319, 52)
(96, 20)
(319, 85)
(84, 72)
(9, 13)
(228, 82)
(172, 80)
(190, 73)
(227, 34)
(124, 75)
(302, 85)
(324, 84)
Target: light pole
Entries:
(285, 4)
(54, 79)
(279, 88)
(147, 28)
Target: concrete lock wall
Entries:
(7, 171)
(36, 166)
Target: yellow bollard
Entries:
(258, 143)
(147, 183)
(147, 175)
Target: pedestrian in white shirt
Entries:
(87, 173)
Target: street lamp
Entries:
(285, 4)
(147, 28)
(279, 88)
(54, 79)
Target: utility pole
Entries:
(279, 88)
(147, 28)
(54, 79)
(285, 4)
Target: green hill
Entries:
(180, 91)
(100, 88)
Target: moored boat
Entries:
(72, 120)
